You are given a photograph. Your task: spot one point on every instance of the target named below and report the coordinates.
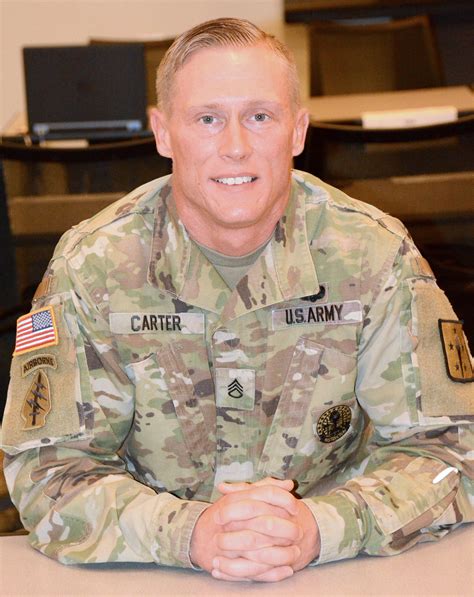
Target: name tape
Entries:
(150, 323)
(324, 314)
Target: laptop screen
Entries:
(85, 91)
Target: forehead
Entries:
(224, 74)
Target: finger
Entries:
(245, 510)
(273, 575)
(248, 540)
(221, 576)
(274, 496)
(274, 556)
(268, 525)
(239, 567)
(226, 488)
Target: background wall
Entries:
(63, 22)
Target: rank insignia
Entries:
(235, 389)
(334, 423)
(37, 402)
(36, 330)
(456, 353)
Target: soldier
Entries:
(237, 367)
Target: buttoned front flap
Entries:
(317, 423)
(172, 443)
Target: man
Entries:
(237, 368)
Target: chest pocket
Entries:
(318, 422)
(172, 444)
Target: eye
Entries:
(261, 117)
(207, 119)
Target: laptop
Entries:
(91, 92)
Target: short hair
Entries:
(223, 32)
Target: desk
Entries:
(350, 107)
(444, 568)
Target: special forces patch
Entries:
(456, 353)
(37, 402)
(333, 423)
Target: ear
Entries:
(299, 133)
(159, 125)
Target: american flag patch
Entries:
(36, 330)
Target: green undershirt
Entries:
(231, 269)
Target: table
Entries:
(444, 568)
(350, 107)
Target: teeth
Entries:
(236, 180)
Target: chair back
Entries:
(385, 56)
(50, 189)
(338, 152)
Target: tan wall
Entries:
(63, 22)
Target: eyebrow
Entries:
(263, 103)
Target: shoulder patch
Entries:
(44, 402)
(37, 402)
(456, 353)
(45, 287)
(36, 330)
(421, 267)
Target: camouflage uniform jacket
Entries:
(325, 365)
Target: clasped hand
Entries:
(255, 531)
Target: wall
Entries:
(64, 22)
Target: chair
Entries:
(422, 175)
(49, 189)
(154, 52)
(385, 56)
(340, 152)
(10, 523)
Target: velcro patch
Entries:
(38, 362)
(37, 402)
(36, 330)
(152, 323)
(45, 392)
(333, 423)
(44, 288)
(323, 314)
(456, 353)
(421, 267)
(235, 388)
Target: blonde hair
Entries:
(224, 32)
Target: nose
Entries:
(235, 142)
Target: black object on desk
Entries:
(92, 92)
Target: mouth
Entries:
(231, 181)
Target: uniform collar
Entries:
(284, 271)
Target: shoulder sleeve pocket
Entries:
(46, 392)
(440, 395)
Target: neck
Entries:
(231, 242)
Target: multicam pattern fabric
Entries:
(311, 369)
